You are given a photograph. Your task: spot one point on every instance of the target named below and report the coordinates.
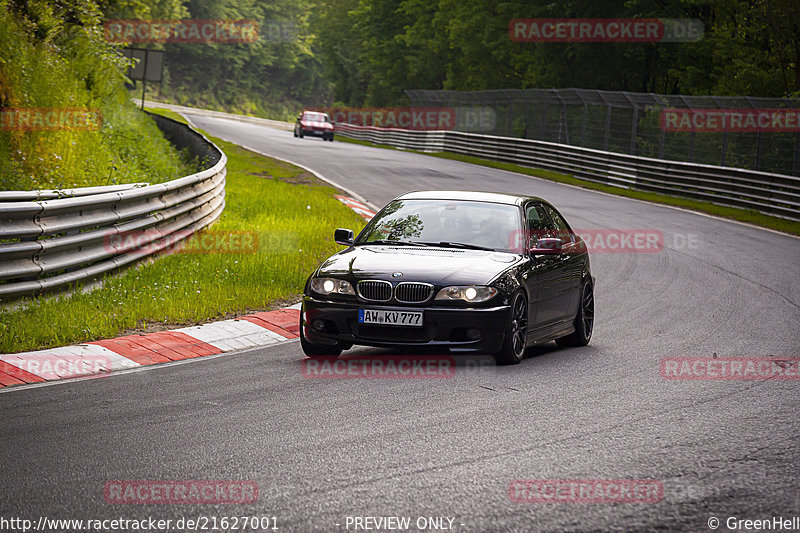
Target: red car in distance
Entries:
(314, 123)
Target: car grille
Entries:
(393, 333)
(377, 291)
(413, 293)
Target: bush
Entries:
(53, 56)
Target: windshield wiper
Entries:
(460, 245)
(401, 243)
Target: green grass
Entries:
(47, 63)
(294, 217)
(170, 114)
(733, 213)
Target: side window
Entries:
(539, 224)
(562, 229)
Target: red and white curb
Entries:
(98, 358)
(359, 207)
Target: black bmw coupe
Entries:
(463, 271)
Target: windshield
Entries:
(316, 117)
(446, 223)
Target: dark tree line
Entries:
(368, 52)
(373, 50)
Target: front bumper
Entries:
(317, 132)
(443, 327)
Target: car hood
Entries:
(440, 266)
(315, 124)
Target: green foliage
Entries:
(53, 56)
(373, 50)
(273, 76)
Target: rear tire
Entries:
(300, 133)
(584, 320)
(516, 333)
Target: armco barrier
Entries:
(51, 239)
(771, 194)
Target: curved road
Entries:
(324, 450)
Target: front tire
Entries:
(584, 320)
(516, 333)
(318, 351)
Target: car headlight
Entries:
(467, 293)
(331, 286)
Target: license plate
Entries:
(390, 318)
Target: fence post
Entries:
(527, 106)
(724, 150)
(758, 150)
(543, 129)
(583, 124)
(563, 126)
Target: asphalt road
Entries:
(324, 450)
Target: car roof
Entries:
(499, 198)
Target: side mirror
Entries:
(547, 245)
(343, 236)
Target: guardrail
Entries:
(183, 110)
(52, 239)
(772, 194)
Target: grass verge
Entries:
(733, 213)
(293, 216)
